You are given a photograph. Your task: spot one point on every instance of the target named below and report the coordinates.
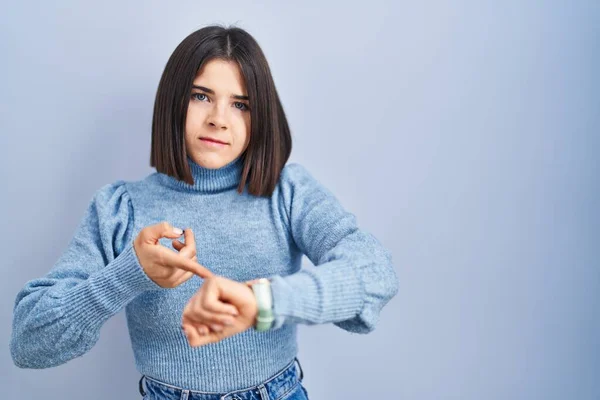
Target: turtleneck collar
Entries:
(207, 180)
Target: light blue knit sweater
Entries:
(242, 237)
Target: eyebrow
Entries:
(207, 90)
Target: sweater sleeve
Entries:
(353, 276)
(58, 317)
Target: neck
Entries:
(210, 180)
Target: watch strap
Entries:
(264, 302)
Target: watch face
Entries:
(262, 292)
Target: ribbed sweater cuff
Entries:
(106, 292)
(331, 292)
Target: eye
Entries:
(241, 106)
(199, 96)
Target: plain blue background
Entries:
(463, 134)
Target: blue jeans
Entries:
(285, 385)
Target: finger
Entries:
(181, 248)
(180, 276)
(230, 291)
(199, 334)
(195, 268)
(192, 334)
(201, 329)
(210, 319)
(201, 340)
(177, 245)
(189, 248)
(196, 313)
(211, 291)
(219, 308)
(173, 259)
(218, 328)
(190, 240)
(153, 233)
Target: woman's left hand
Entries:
(227, 307)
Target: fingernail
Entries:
(177, 231)
(216, 328)
(228, 322)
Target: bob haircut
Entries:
(270, 142)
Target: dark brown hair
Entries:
(270, 139)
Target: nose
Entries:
(217, 117)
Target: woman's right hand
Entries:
(164, 266)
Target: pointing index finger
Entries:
(188, 265)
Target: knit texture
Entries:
(239, 236)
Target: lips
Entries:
(212, 140)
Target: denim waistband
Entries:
(273, 388)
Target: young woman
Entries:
(212, 309)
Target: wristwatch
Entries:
(264, 301)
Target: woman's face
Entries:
(218, 111)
